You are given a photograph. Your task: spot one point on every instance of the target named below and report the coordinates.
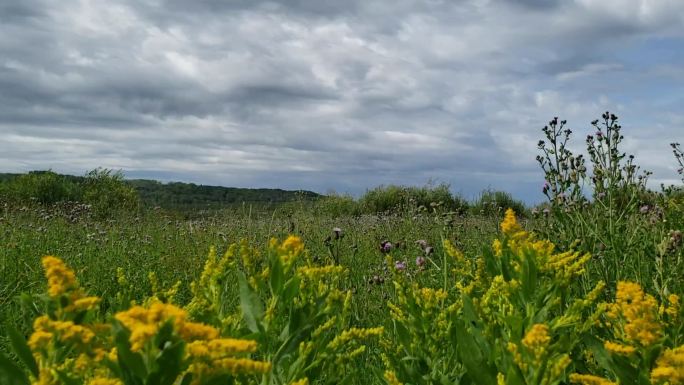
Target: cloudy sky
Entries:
(333, 94)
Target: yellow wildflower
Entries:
(619, 349)
(241, 366)
(588, 379)
(510, 225)
(303, 381)
(391, 378)
(354, 334)
(220, 347)
(669, 367)
(60, 278)
(143, 323)
(104, 381)
(82, 304)
(638, 311)
(537, 336)
(39, 339)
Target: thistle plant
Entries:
(679, 155)
(564, 172)
(612, 178)
(612, 226)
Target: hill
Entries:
(179, 195)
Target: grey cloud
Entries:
(324, 94)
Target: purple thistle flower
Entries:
(385, 246)
(400, 265)
(420, 261)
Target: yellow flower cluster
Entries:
(105, 381)
(315, 273)
(354, 334)
(290, 249)
(234, 366)
(537, 337)
(303, 381)
(619, 349)
(638, 311)
(46, 329)
(510, 226)
(391, 378)
(60, 278)
(143, 323)
(672, 309)
(220, 347)
(669, 367)
(588, 379)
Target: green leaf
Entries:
(252, 309)
(529, 276)
(132, 365)
(290, 290)
(472, 358)
(169, 360)
(277, 277)
(22, 349)
(10, 373)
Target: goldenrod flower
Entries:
(220, 347)
(303, 381)
(104, 381)
(588, 379)
(143, 323)
(39, 339)
(510, 225)
(669, 367)
(60, 278)
(639, 312)
(619, 349)
(391, 378)
(354, 334)
(536, 337)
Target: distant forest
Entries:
(176, 195)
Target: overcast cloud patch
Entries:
(333, 95)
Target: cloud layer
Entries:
(327, 94)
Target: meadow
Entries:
(404, 285)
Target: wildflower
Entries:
(588, 379)
(537, 340)
(400, 265)
(104, 381)
(354, 334)
(669, 367)
(619, 349)
(510, 225)
(144, 323)
(420, 261)
(639, 312)
(643, 209)
(303, 381)
(391, 378)
(60, 278)
(385, 246)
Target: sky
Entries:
(330, 95)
